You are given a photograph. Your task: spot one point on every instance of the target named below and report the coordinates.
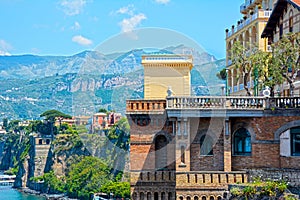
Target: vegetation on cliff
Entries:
(78, 164)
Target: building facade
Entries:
(248, 32)
(187, 147)
(284, 19)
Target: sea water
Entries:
(8, 193)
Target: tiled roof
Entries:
(296, 2)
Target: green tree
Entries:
(222, 74)
(52, 115)
(87, 177)
(119, 189)
(103, 110)
(286, 58)
(52, 183)
(245, 60)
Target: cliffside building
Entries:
(192, 147)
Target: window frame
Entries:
(209, 145)
(295, 132)
(244, 139)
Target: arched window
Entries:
(156, 196)
(188, 198)
(149, 196)
(295, 141)
(203, 198)
(134, 196)
(48, 141)
(170, 196)
(163, 196)
(242, 142)
(161, 152)
(196, 198)
(181, 198)
(141, 196)
(206, 145)
(182, 149)
(291, 21)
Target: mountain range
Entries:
(82, 83)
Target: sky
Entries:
(67, 27)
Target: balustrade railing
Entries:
(284, 102)
(215, 102)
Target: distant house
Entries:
(103, 121)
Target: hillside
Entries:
(82, 83)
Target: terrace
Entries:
(212, 105)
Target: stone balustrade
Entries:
(216, 102)
(145, 105)
(212, 102)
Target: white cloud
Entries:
(79, 39)
(129, 24)
(76, 26)
(72, 7)
(162, 1)
(5, 48)
(126, 10)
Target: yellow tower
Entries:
(164, 72)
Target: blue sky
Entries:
(67, 27)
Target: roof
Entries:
(276, 14)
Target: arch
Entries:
(206, 145)
(155, 195)
(161, 152)
(170, 196)
(247, 39)
(219, 198)
(148, 195)
(285, 127)
(196, 197)
(188, 198)
(203, 198)
(134, 196)
(211, 198)
(163, 196)
(162, 133)
(181, 198)
(235, 80)
(229, 77)
(48, 141)
(253, 35)
(242, 142)
(40, 141)
(141, 195)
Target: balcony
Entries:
(261, 14)
(249, 4)
(216, 102)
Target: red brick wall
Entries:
(264, 155)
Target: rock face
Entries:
(37, 83)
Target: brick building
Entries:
(187, 147)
